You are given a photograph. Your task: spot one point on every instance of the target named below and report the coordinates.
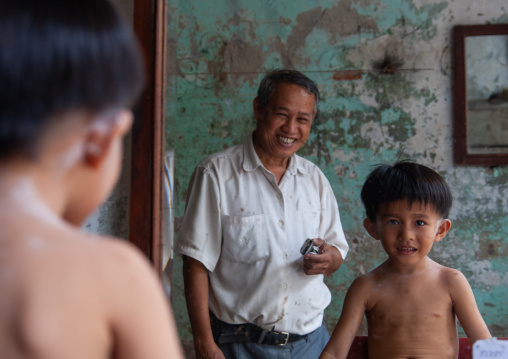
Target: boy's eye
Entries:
(420, 223)
(393, 221)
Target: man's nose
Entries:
(290, 125)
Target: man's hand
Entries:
(195, 279)
(326, 262)
(208, 350)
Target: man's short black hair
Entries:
(273, 78)
(57, 56)
(405, 180)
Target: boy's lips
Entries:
(406, 250)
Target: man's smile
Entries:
(286, 140)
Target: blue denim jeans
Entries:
(309, 347)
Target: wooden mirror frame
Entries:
(148, 133)
(462, 157)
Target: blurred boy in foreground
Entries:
(69, 70)
(411, 302)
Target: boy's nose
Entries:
(406, 233)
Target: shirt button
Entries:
(284, 286)
(281, 222)
(285, 255)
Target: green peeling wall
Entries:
(384, 69)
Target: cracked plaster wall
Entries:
(384, 70)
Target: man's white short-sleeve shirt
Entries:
(247, 231)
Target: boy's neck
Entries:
(23, 188)
(393, 267)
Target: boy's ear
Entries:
(371, 227)
(442, 229)
(102, 133)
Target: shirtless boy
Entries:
(411, 302)
(69, 70)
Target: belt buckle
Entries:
(287, 337)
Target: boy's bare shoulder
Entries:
(111, 251)
(54, 275)
(115, 260)
(364, 281)
(376, 275)
(450, 276)
(67, 254)
(122, 271)
(83, 249)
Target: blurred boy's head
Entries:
(59, 56)
(405, 181)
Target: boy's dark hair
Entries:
(275, 77)
(57, 56)
(405, 180)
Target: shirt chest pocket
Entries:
(245, 238)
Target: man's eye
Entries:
(420, 223)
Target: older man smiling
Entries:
(250, 293)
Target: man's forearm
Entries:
(196, 295)
(336, 260)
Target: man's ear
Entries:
(257, 111)
(102, 133)
(442, 229)
(371, 227)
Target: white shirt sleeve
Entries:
(200, 235)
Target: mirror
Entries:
(481, 94)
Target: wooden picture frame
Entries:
(463, 155)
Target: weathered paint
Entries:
(384, 70)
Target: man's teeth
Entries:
(286, 140)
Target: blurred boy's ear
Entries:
(371, 227)
(102, 133)
(442, 229)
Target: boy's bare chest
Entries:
(411, 301)
(413, 318)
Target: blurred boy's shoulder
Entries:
(111, 253)
(68, 256)
(112, 259)
(63, 277)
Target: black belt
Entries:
(225, 333)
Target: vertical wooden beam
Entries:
(148, 133)
(159, 132)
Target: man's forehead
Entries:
(289, 89)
